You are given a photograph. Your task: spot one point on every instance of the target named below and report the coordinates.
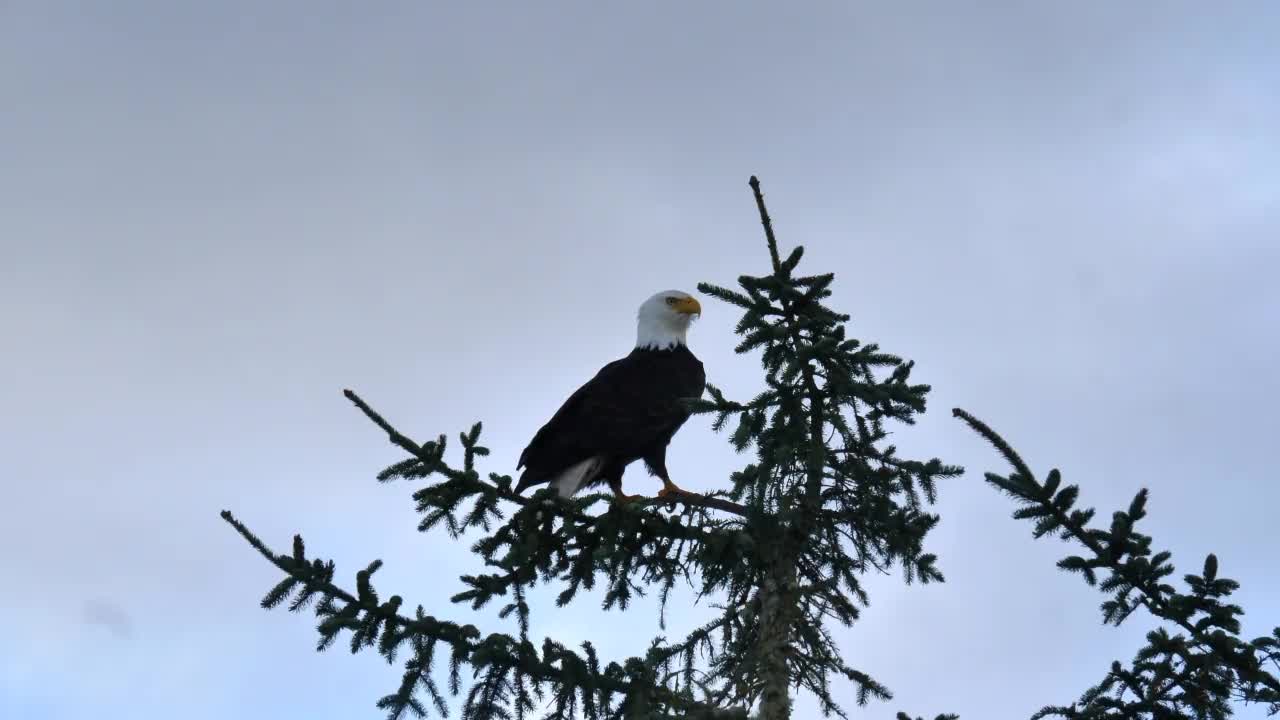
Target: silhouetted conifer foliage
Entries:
(779, 554)
(1200, 669)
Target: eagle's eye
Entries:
(671, 301)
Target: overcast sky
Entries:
(215, 216)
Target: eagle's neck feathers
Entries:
(654, 334)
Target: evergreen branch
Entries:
(494, 652)
(395, 436)
(998, 442)
(754, 182)
(694, 499)
(1153, 595)
(1214, 666)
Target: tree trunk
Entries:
(778, 610)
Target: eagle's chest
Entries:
(668, 381)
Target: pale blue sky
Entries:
(215, 216)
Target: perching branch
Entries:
(690, 499)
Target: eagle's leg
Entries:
(657, 464)
(615, 484)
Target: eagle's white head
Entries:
(664, 319)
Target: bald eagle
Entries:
(629, 411)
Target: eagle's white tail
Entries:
(572, 478)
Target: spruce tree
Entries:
(782, 549)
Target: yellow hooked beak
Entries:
(688, 306)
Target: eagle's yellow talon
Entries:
(669, 489)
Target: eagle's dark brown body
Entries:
(629, 411)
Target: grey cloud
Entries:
(110, 616)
